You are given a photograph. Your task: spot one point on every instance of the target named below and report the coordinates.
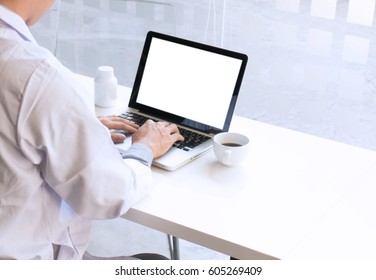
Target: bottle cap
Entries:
(105, 72)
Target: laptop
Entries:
(191, 84)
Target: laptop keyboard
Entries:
(191, 139)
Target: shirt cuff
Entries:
(139, 152)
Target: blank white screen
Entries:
(188, 82)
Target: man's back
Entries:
(51, 183)
(26, 202)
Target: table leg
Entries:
(174, 247)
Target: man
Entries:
(58, 166)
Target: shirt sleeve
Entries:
(139, 152)
(77, 159)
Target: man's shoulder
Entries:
(20, 55)
(19, 60)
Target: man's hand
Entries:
(114, 122)
(158, 136)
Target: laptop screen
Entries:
(194, 82)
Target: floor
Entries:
(311, 68)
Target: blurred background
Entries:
(311, 62)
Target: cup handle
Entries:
(226, 157)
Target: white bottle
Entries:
(105, 87)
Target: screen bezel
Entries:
(175, 118)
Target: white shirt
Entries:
(58, 166)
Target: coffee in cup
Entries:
(230, 148)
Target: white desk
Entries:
(291, 199)
(348, 231)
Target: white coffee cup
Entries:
(230, 148)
